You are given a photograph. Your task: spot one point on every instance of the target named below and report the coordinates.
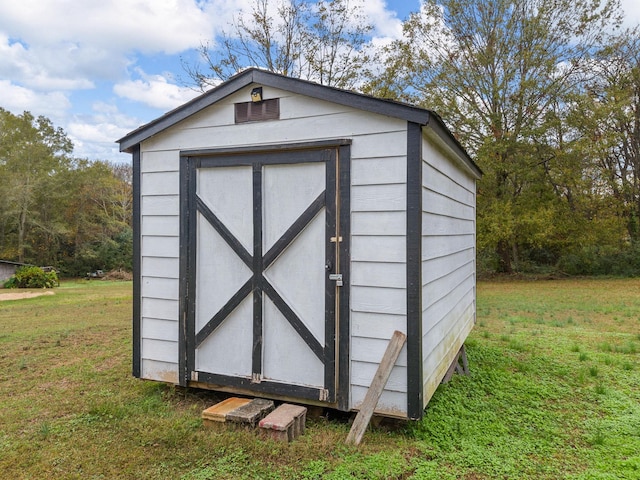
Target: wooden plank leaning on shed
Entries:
(375, 389)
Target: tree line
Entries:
(57, 210)
(544, 94)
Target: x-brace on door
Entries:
(263, 271)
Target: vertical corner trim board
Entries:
(137, 271)
(375, 390)
(415, 399)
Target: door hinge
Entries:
(324, 395)
(194, 376)
(256, 378)
(336, 239)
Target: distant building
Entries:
(7, 269)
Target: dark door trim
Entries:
(336, 155)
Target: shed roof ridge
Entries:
(256, 75)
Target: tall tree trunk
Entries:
(21, 231)
(504, 257)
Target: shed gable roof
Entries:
(342, 97)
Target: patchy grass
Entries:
(554, 393)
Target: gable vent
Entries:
(257, 111)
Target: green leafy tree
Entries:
(58, 210)
(98, 217)
(32, 151)
(33, 277)
(498, 71)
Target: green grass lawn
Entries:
(554, 392)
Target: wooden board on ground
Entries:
(375, 390)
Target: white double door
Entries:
(262, 282)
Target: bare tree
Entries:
(335, 50)
(324, 41)
(606, 117)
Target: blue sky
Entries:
(101, 68)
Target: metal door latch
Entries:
(336, 277)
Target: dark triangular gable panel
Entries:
(302, 87)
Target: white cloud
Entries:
(385, 22)
(67, 44)
(149, 26)
(51, 49)
(94, 135)
(43, 69)
(17, 99)
(631, 10)
(155, 91)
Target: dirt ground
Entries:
(21, 295)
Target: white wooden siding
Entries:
(443, 245)
(160, 329)
(159, 183)
(446, 206)
(391, 403)
(161, 371)
(378, 274)
(165, 288)
(160, 267)
(164, 247)
(378, 264)
(377, 223)
(363, 376)
(435, 180)
(365, 349)
(159, 308)
(161, 225)
(376, 325)
(159, 282)
(366, 171)
(436, 364)
(378, 248)
(161, 205)
(378, 198)
(448, 262)
(378, 300)
(339, 125)
(378, 215)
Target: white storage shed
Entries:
(283, 230)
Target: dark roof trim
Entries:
(440, 129)
(303, 87)
(7, 262)
(295, 85)
(184, 111)
(338, 142)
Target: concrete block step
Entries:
(216, 416)
(285, 423)
(236, 412)
(251, 413)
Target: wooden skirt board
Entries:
(261, 306)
